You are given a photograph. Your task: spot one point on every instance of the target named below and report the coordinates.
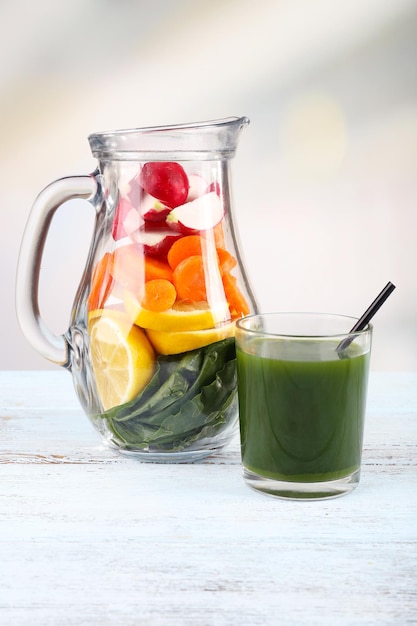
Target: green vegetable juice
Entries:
(301, 409)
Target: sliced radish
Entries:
(198, 186)
(215, 186)
(120, 228)
(132, 222)
(156, 241)
(151, 209)
(166, 181)
(135, 191)
(201, 214)
(128, 173)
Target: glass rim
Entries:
(240, 325)
(226, 121)
(194, 141)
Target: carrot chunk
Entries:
(226, 260)
(190, 280)
(101, 282)
(219, 235)
(183, 248)
(131, 269)
(192, 245)
(237, 303)
(159, 295)
(157, 268)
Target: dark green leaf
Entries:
(189, 398)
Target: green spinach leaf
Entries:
(190, 397)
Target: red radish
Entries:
(132, 222)
(152, 210)
(215, 186)
(166, 181)
(135, 191)
(156, 239)
(198, 186)
(128, 174)
(122, 210)
(201, 214)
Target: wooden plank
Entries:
(190, 544)
(90, 537)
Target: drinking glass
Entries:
(302, 386)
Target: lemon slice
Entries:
(108, 312)
(122, 358)
(182, 317)
(177, 342)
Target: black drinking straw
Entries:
(367, 316)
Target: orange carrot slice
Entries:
(131, 268)
(190, 280)
(183, 248)
(192, 245)
(159, 295)
(101, 282)
(219, 235)
(227, 261)
(156, 268)
(237, 303)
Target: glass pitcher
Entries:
(151, 340)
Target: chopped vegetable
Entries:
(187, 399)
(227, 261)
(189, 245)
(237, 303)
(101, 282)
(159, 295)
(200, 214)
(172, 290)
(157, 268)
(190, 279)
(166, 181)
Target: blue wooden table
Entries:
(90, 537)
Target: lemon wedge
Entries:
(117, 314)
(177, 342)
(122, 358)
(182, 317)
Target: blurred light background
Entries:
(325, 178)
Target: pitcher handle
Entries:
(51, 346)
